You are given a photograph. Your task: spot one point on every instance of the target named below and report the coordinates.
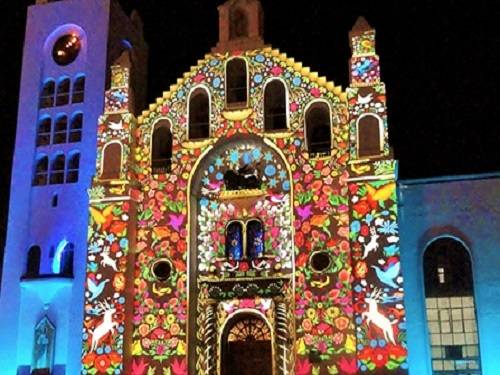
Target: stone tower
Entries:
(68, 48)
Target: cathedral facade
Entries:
(246, 222)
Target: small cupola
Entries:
(241, 26)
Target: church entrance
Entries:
(246, 347)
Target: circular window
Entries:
(161, 269)
(66, 49)
(320, 261)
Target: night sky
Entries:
(439, 60)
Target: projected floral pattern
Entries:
(104, 320)
(305, 205)
(378, 288)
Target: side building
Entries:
(450, 252)
(69, 46)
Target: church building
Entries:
(246, 222)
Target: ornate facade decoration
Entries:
(269, 236)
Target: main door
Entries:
(247, 347)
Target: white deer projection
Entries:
(107, 325)
(373, 244)
(378, 319)
(107, 260)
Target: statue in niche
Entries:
(43, 346)
(246, 177)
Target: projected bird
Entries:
(364, 67)
(304, 212)
(388, 276)
(175, 221)
(95, 289)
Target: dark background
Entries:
(439, 60)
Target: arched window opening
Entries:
(33, 262)
(451, 313)
(247, 344)
(161, 148)
(369, 143)
(236, 83)
(62, 96)
(44, 130)
(255, 239)
(62, 264)
(78, 90)
(234, 240)
(57, 170)
(318, 129)
(73, 167)
(111, 161)
(275, 106)
(41, 171)
(199, 114)
(246, 177)
(75, 130)
(61, 129)
(238, 25)
(47, 94)
(43, 348)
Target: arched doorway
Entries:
(247, 346)
(246, 181)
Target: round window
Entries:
(320, 261)
(66, 49)
(161, 269)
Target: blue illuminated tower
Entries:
(69, 46)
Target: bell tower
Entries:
(68, 48)
(378, 283)
(366, 95)
(241, 26)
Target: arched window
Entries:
(75, 129)
(161, 147)
(275, 106)
(41, 171)
(62, 95)
(33, 262)
(236, 83)
(238, 24)
(451, 315)
(62, 263)
(199, 114)
(47, 94)
(254, 239)
(111, 161)
(73, 167)
(369, 136)
(44, 130)
(234, 240)
(318, 129)
(78, 94)
(57, 169)
(61, 129)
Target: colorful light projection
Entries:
(111, 217)
(330, 329)
(378, 289)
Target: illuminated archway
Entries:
(215, 203)
(246, 346)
